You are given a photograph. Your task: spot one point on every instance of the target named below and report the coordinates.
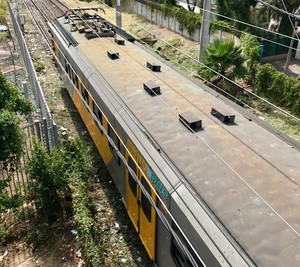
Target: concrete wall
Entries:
(158, 18)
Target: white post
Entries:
(118, 14)
(288, 57)
(204, 35)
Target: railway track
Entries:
(118, 236)
(44, 11)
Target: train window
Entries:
(69, 69)
(71, 74)
(146, 206)
(116, 140)
(132, 182)
(98, 114)
(75, 79)
(180, 259)
(85, 94)
(66, 66)
(177, 256)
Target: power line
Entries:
(278, 9)
(119, 153)
(212, 70)
(211, 148)
(292, 24)
(231, 19)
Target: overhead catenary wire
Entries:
(292, 24)
(217, 73)
(90, 111)
(278, 9)
(213, 150)
(233, 20)
(160, 214)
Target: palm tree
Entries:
(222, 59)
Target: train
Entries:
(204, 182)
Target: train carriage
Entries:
(203, 184)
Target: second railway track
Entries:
(117, 235)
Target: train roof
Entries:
(248, 176)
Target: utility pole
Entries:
(118, 14)
(204, 35)
(288, 57)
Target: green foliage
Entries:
(2, 235)
(237, 9)
(278, 88)
(222, 26)
(38, 235)
(251, 53)
(3, 15)
(11, 136)
(48, 176)
(186, 19)
(225, 59)
(3, 36)
(78, 165)
(12, 105)
(84, 220)
(7, 202)
(11, 98)
(70, 166)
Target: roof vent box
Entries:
(190, 120)
(119, 41)
(152, 88)
(222, 114)
(112, 54)
(81, 29)
(153, 66)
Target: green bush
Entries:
(70, 166)
(251, 53)
(278, 88)
(48, 177)
(2, 235)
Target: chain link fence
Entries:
(50, 129)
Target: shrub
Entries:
(278, 88)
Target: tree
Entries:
(236, 9)
(11, 98)
(251, 53)
(225, 59)
(12, 106)
(289, 6)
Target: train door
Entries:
(139, 208)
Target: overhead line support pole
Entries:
(118, 14)
(288, 57)
(204, 34)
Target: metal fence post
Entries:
(35, 85)
(46, 134)
(25, 89)
(38, 130)
(55, 135)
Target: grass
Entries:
(285, 124)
